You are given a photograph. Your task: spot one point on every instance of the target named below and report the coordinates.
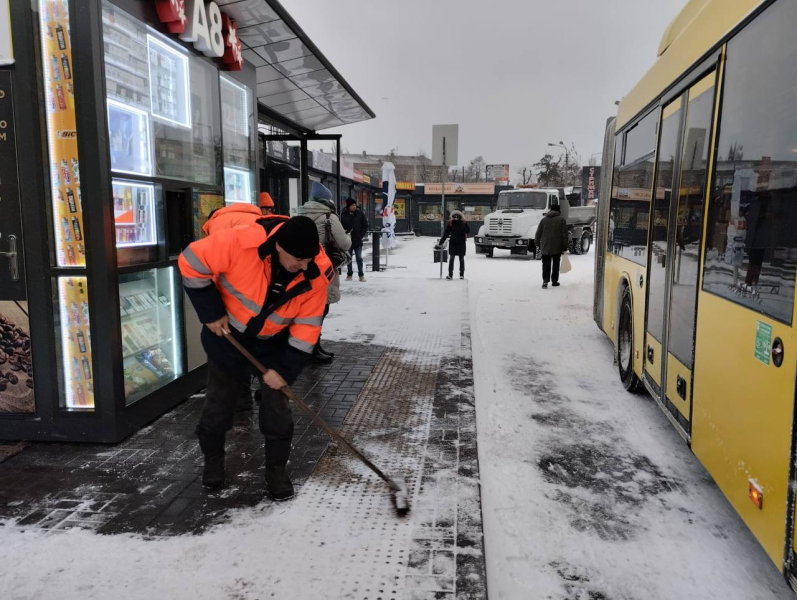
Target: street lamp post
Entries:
(567, 157)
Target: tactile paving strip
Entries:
(390, 423)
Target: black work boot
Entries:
(212, 447)
(320, 355)
(213, 475)
(278, 483)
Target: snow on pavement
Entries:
(587, 491)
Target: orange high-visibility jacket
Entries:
(231, 216)
(239, 260)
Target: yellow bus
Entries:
(696, 257)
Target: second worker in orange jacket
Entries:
(267, 285)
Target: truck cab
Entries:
(513, 225)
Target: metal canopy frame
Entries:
(303, 138)
(294, 78)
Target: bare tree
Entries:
(526, 175)
(474, 172)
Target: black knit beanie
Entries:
(298, 236)
(350, 201)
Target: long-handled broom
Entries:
(397, 485)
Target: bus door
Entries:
(676, 232)
(658, 262)
(686, 232)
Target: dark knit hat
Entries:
(298, 236)
(350, 201)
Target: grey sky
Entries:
(515, 74)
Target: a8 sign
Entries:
(212, 33)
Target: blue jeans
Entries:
(358, 253)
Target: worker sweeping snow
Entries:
(270, 290)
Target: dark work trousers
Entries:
(218, 414)
(358, 254)
(550, 267)
(451, 264)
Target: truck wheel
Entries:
(489, 252)
(572, 247)
(625, 345)
(585, 243)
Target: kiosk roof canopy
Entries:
(294, 78)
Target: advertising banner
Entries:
(498, 173)
(459, 188)
(389, 197)
(64, 166)
(590, 180)
(400, 208)
(204, 203)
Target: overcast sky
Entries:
(514, 74)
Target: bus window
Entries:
(631, 189)
(751, 242)
(640, 140)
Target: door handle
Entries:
(13, 262)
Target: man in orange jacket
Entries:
(265, 284)
(266, 204)
(238, 214)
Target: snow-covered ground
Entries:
(587, 492)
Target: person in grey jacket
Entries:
(321, 208)
(551, 239)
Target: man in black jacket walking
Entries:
(355, 223)
(458, 229)
(551, 239)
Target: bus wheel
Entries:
(625, 345)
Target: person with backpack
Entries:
(336, 242)
(551, 239)
(458, 230)
(355, 223)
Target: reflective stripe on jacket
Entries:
(239, 261)
(231, 216)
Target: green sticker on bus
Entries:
(763, 342)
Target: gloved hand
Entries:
(437, 246)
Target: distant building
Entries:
(408, 168)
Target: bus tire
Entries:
(625, 345)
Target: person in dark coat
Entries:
(355, 223)
(551, 239)
(458, 230)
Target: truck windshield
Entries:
(522, 200)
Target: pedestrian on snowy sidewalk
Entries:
(321, 209)
(355, 223)
(458, 230)
(551, 239)
(266, 285)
